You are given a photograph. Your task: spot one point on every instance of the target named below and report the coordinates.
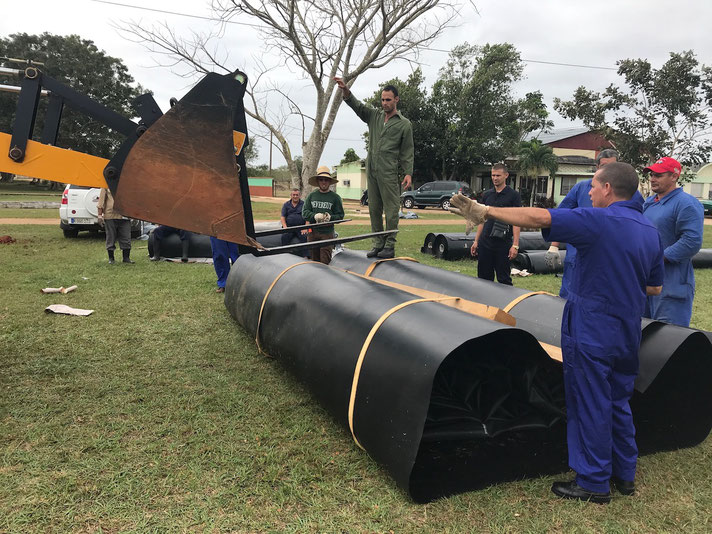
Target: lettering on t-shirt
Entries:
(321, 204)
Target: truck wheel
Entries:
(408, 203)
(445, 204)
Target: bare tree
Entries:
(319, 39)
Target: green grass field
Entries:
(158, 414)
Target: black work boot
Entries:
(373, 252)
(387, 253)
(127, 252)
(185, 244)
(111, 256)
(156, 249)
(624, 487)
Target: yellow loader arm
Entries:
(55, 164)
(184, 168)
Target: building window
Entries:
(567, 182)
(347, 183)
(696, 190)
(542, 184)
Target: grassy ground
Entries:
(157, 413)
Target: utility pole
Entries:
(270, 153)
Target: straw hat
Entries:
(322, 172)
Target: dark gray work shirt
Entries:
(293, 214)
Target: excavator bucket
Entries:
(183, 170)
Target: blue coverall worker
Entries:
(390, 146)
(679, 218)
(620, 260)
(224, 254)
(577, 197)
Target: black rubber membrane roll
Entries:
(534, 261)
(672, 403)
(453, 246)
(200, 245)
(171, 246)
(703, 259)
(445, 401)
(428, 244)
(535, 241)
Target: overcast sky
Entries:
(555, 31)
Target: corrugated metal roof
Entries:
(556, 135)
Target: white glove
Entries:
(322, 217)
(473, 212)
(552, 258)
(101, 220)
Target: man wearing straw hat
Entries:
(322, 205)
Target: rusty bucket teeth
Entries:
(182, 171)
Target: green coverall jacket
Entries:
(390, 144)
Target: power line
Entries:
(258, 27)
(166, 12)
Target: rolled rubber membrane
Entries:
(445, 400)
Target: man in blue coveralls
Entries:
(578, 197)
(679, 218)
(224, 255)
(620, 261)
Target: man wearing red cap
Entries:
(679, 218)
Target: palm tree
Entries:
(534, 156)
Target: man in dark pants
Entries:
(390, 146)
(116, 226)
(164, 231)
(620, 261)
(292, 216)
(497, 243)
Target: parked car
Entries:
(78, 212)
(435, 194)
(707, 205)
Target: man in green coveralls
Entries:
(390, 143)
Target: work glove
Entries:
(473, 212)
(322, 217)
(552, 258)
(101, 220)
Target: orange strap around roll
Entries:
(520, 298)
(377, 262)
(364, 349)
(264, 300)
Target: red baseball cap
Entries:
(664, 165)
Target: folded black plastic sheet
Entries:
(534, 261)
(703, 259)
(446, 401)
(672, 402)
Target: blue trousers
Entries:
(600, 366)
(670, 309)
(224, 253)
